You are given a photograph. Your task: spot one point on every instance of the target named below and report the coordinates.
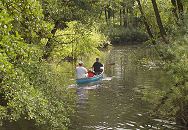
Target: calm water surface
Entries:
(115, 103)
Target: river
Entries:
(116, 102)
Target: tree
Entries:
(59, 12)
(27, 86)
(178, 9)
(159, 21)
(145, 21)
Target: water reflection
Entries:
(83, 91)
(116, 103)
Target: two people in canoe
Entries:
(82, 72)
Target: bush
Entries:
(119, 34)
(30, 88)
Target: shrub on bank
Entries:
(119, 34)
(30, 88)
(171, 102)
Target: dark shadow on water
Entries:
(22, 125)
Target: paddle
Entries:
(110, 64)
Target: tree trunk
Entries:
(106, 17)
(100, 14)
(131, 17)
(125, 17)
(180, 9)
(145, 22)
(174, 10)
(109, 14)
(120, 17)
(49, 45)
(159, 22)
(113, 16)
(3, 100)
(124, 21)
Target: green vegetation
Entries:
(29, 88)
(122, 21)
(124, 35)
(170, 37)
(78, 41)
(34, 39)
(36, 36)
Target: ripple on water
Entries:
(117, 99)
(107, 78)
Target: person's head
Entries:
(80, 63)
(90, 70)
(97, 59)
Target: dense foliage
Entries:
(32, 32)
(29, 88)
(78, 41)
(36, 36)
(170, 102)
